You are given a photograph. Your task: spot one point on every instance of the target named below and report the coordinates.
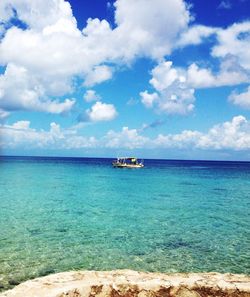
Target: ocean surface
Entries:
(60, 214)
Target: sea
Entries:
(61, 214)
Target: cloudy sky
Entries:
(159, 78)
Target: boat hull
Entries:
(128, 165)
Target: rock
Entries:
(128, 283)
(1, 286)
(14, 282)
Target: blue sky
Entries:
(125, 77)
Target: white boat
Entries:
(127, 162)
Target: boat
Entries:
(127, 162)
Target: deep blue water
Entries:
(59, 214)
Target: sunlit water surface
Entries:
(59, 214)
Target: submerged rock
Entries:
(14, 282)
(127, 283)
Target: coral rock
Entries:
(127, 283)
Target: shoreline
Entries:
(133, 283)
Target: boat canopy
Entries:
(130, 162)
(127, 158)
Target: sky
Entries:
(163, 79)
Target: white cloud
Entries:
(101, 112)
(44, 58)
(195, 35)
(48, 54)
(65, 26)
(235, 40)
(231, 47)
(173, 95)
(186, 139)
(20, 134)
(55, 55)
(91, 95)
(127, 138)
(52, 50)
(149, 99)
(231, 135)
(36, 14)
(241, 99)
(230, 74)
(98, 75)
(21, 125)
(149, 30)
(174, 88)
(164, 75)
(21, 91)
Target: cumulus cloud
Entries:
(52, 50)
(42, 58)
(149, 30)
(101, 112)
(36, 14)
(21, 91)
(149, 99)
(230, 74)
(231, 135)
(230, 48)
(174, 87)
(235, 41)
(173, 95)
(141, 30)
(20, 134)
(241, 99)
(195, 35)
(185, 139)
(127, 138)
(91, 95)
(97, 75)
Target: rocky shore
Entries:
(128, 283)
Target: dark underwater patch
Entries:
(14, 282)
(120, 238)
(79, 212)
(139, 253)
(220, 189)
(61, 230)
(35, 232)
(46, 271)
(173, 244)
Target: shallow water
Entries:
(59, 214)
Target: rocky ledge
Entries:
(128, 283)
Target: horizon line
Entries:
(81, 157)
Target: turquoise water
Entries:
(171, 216)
